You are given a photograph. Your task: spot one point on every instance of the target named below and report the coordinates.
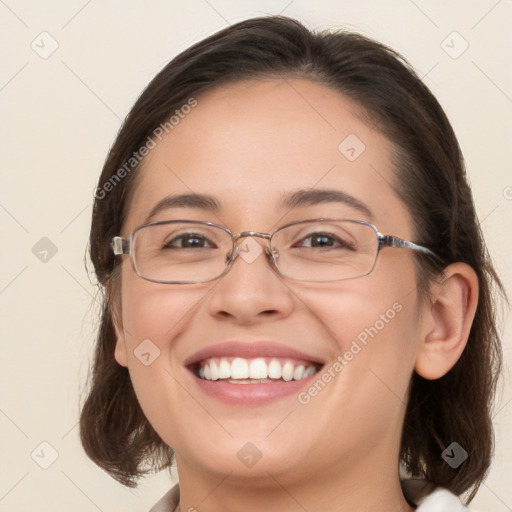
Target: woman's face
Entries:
(249, 145)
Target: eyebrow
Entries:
(311, 197)
(203, 202)
(298, 199)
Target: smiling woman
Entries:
(253, 258)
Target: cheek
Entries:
(374, 338)
(157, 311)
(153, 316)
(371, 326)
(381, 306)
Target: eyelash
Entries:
(310, 236)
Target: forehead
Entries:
(248, 144)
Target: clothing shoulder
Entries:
(429, 498)
(426, 497)
(441, 500)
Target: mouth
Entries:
(251, 373)
(259, 370)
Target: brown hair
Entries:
(431, 181)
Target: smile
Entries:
(251, 372)
(260, 370)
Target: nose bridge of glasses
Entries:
(244, 234)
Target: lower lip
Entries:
(251, 394)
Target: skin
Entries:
(246, 144)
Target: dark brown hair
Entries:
(430, 178)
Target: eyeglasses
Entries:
(317, 250)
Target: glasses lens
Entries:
(325, 250)
(177, 252)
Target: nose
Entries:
(252, 289)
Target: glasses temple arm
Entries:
(394, 241)
(120, 245)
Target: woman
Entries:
(297, 294)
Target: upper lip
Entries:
(249, 350)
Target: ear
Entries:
(448, 319)
(120, 350)
(116, 315)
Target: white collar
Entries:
(421, 493)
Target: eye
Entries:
(325, 240)
(188, 241)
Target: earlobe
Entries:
(120, 351)
(448, 321)
(120, 348)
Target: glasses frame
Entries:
(123, 245)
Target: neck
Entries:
(334, 489)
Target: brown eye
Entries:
(187, 241)
(324, 240)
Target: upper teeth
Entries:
(259, 368)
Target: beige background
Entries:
(60, 113)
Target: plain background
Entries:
(60, 114)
